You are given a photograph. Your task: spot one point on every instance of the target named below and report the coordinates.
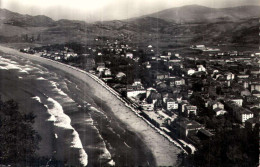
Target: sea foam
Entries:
(8, 64)
(62, 120)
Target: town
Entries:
(191, 97)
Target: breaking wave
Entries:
(61, 120)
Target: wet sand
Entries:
(105, 139)
(165, 152)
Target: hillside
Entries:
(176, 26)
(199, 14)
(16, 19)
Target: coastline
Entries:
(163, 148)
(105, 139)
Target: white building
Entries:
(133, 91)
(238, 101)
(129, 55)
(179, 82)
(217, 105)
(190, 71)
(200, 47)
(177, 55)
(107, 72)
(172, 104)
(101, 68)
(148, 65)
(201, 68)
(243, 115)
(255, 87)
(191, 109)
(137, 82)
(149, 91)
(119, 75)
(219, 111)
(229, 76)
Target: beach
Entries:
(163, 151)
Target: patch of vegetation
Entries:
(19, 141)
(236, 148)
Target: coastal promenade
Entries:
(164, 149)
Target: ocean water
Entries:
(75, 127)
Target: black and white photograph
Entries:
(129, 83)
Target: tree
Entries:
(237, 147)
(19, 140)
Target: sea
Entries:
(76, 127)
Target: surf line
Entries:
(118, 96)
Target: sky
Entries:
(101, 10)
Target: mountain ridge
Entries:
(197, 13)
(189, 8)
(188, 27)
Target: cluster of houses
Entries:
(58, 56)
(28, 50)
(235, 83)
(180, 86)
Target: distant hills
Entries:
(200, 14)
(176, 26)
(16, 19)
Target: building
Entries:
(190, 71)
(186, 126)
(171, 104)
(242, 76)
(149, 91)
(229, 76)
(148, 65)
(255, 71)
(89, 64)
(148, 107)
(251, 123)
(201, 68)
(160, 75)
(251, 99)
(174, 60)
(154, 97)
(182, 105)
(243, 114)
(201, 47)
(219, 111)
(133, 91)
(256, 93)
(191, 109)
(101, 67)
(245, 84)
(255, 87)
(204, 134)
(129, 55)
(120, 75)
(215, 105)
(238, 101)
(137, 82)
(179, 81)
(107, 72)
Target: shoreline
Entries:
(103, 136)
(165, 154)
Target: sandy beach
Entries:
(165, 152)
